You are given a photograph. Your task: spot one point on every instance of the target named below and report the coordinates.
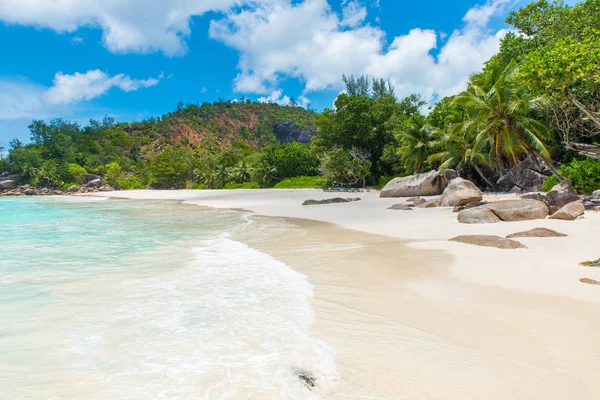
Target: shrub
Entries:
(302, 182)
(294, 159)
(585, 175)
(74, 173)
(171, 167)
(247, 185)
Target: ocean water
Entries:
(121, 299)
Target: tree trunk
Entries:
(595, 119)
(480, 172)
(555, 171)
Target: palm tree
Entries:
(499, 113)
(458, 151)
(414, 138)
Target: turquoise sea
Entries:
(123, 299)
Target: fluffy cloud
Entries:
(23, 99)
(138, 26)
(276, 39)
(77, 87)
(313, 43)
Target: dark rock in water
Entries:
(488, 241)
(527, 176)
(537, 232)
(402, 207)
(308, 379)
(334, 200)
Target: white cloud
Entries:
(138, 26)
(78, 87)
(22, 99)
(77, 40)
(311, 42)
(276, 97)
(353, 14)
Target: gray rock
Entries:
(335, 200)
(564, 198)
(73, 189)
(564, 186)
(96, 183)
(106, 188)
(91, 177)
(488, 241)
(429, 204)
(402, 207)
(596, 193)
(477, 216)
(427, 184)
(537, 232)
(527, 176)
(569, 212)
(416, 200)
(8, 185)
(459, 192)
(539, 197)
(518, 210)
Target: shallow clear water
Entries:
(149, 300)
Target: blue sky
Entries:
(134, 59)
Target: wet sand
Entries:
(427, 319)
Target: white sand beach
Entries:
(411, 315)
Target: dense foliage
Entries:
(538, 96)
(584, 173)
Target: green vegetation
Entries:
(538, 96)
(585, 175)
(302, 182)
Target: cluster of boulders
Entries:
(9, 186)
(562, 202)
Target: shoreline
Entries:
(418, 322)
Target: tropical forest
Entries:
(537, 99)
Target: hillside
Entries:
(226, 125)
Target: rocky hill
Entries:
(228, 125)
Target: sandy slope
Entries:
(461, 323)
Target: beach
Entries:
(411, 315)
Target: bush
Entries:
(294, 159)
(247, 185)
(74, 173)
(171, 167)
(585, 175)
(302, 182)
